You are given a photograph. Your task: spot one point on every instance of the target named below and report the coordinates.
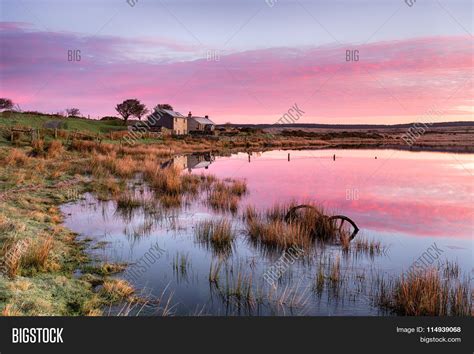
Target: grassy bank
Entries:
(112, 131)
(45, 269)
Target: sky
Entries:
(246, 61)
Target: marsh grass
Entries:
(127, 200)
(278, 234)
(363, 245)
(181, 264)
(303, 228)
(169, 200)
(225, 195)
(16, 157)
(117, 289)
(55, 148)
(216, 235)
(38, 253)
(426, 293)
(106, 268)
(214, 271)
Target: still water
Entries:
(407, 200)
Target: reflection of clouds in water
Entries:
(383, 212)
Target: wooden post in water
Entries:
(288, 156)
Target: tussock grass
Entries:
(217, 235)
(426, 293)
(55, 149)
(225, 195)
(38, 148)
(270, 228)
(38, 252)
(117, 289)
(278, 234)
(16, 157)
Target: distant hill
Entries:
(346, 126)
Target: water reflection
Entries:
(190, 162)
(399, 198)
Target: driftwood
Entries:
(292, 214)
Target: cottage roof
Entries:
(173, 113)
(202, 120)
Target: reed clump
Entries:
(426, 293)
(117, 289)
(38, 253)
(217, 235)
(273, 228)
(225, 195)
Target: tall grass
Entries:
(38, 253)
(225, 195)
(16, 157)
(426, 293)
(217, 235)
(272, 228)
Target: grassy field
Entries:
(37, 121)
(456, 138)
(46, 270)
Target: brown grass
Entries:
(162, 180)
(38, 253)
(37, 147)
(371, 247)
(425, 293)
(170, 200)
(11, 310)
(270, 227)
(55, 148)
(225, 195)
(278, 233)
(117, 289)
(16, 157)
(215, 234)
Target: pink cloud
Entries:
(394, 81)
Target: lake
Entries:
(409, 201)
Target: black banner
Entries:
(211, 334)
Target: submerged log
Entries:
(291, 215)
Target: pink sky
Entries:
(394, 81)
